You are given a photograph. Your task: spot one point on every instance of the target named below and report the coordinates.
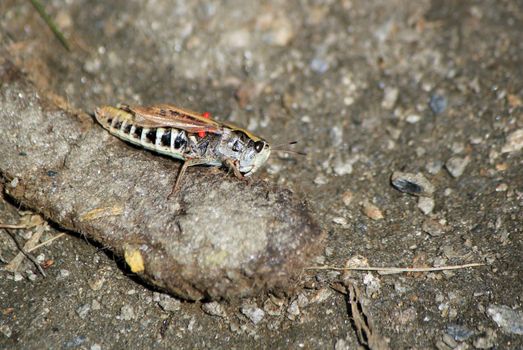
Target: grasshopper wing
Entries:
(171, 116)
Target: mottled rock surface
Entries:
(219, 237)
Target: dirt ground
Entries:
(370, 89)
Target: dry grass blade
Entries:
(392, 270)
(13, 227)
(50, 23)
(46, 242)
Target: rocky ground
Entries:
(411, 114)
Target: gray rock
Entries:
(509, 320)
(514, 142)
(253, 313)
(456, 165)
(415, 184)
(459, 332)
(214, 308)
(83, 310)
(115, 194)
(438, 103)
(426, 205)
(127, 313)
(168, 303)
(390, 97)
(433, 227)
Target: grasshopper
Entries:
(194, 138)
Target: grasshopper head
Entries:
(254, 156)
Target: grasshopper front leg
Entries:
(235, 167)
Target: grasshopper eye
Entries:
(258, 146)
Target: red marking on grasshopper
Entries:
(208, 116)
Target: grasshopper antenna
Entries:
(279, 148)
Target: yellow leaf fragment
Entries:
(134, 258)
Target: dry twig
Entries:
(13, 265)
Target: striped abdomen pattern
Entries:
(169, 141)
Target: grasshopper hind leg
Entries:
(181, 173)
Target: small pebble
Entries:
(64, 273)
(320, 180)
(75, 342)
(157, 297)
(342, 344)
(14, 182)
(434, 166)
(502, 187)
(426, 205)
(95, 305)
(514, 142)
(214, 309)
(239, 38)
(456, 165)
(93, 65)
(340, 221)
(372, 284)
(486, 342)
(83, 310)
(342, 167)
(18, 277)
(459, 332)
(253, 313)
(447, 339)
(31, 275)
(437, 104)
(6, 330)
(415, 184)
(357, 261)
(502, 166)
(96, 347)
(475, 140)
(303, 301)
(305, 119)
(390, 97)
(440, 345)
(322, 295)
(169, 304)
(347, 197)
(395, 133)
(336, 135)
(372, 211)
(413, 118)
(127, 313)
(509, 320)
(293, 311)
(282, 32)
(96, 283)
(433, 227)
(319, 65)
(271, 308)
(514, 101)
(457, 147)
